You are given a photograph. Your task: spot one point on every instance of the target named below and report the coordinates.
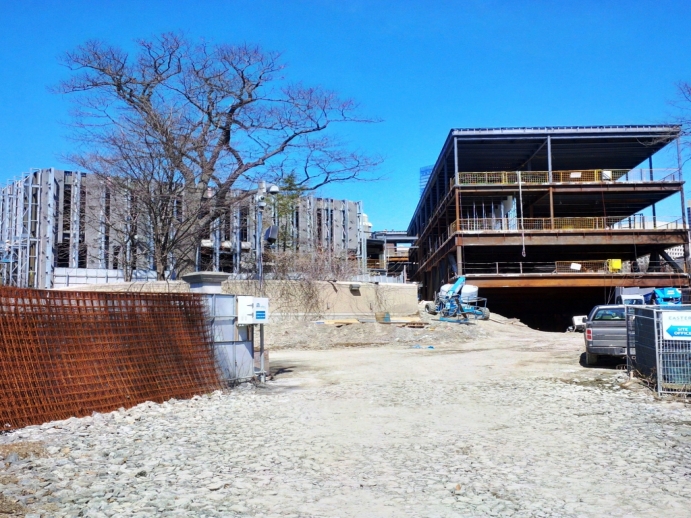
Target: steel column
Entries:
(650, 169)
(549, 158)
(687, 260)
(459, 248)
(216, 228)
(49, 255)
(74, 219)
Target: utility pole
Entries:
(260, 201)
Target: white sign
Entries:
(253, 310)
(676, 325)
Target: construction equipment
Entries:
(457, 302)
(664, 297)
(613, 265)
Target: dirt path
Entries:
(507, 424)
(367, 420)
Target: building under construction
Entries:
(388, 253)
(549, 221)
(61, 228)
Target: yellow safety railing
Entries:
(537, 177)
(583, 267)
(506, 224)
(569, 176)
(397, 253)
(607, 267)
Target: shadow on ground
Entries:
(605, 362)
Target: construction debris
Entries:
(338, 323)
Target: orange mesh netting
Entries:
(66, 354)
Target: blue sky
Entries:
(421, 67)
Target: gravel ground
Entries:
(494, 420)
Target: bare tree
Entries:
(682, 105)
(180, 123)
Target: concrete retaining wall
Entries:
(330, 300)
(309, 300)
(135, 287)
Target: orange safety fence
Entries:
(65, 353)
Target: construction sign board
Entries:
(676, 325)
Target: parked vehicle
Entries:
(631, 295)
(605, 332)
(578, 324)
(631, 300)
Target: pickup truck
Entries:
(605, 332)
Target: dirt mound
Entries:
(315, 335)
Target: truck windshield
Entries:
(633, 302)
(609, 314)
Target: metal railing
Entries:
(603, 267)
(505, 224)
(586, 267)
(397, 254)
(579, 176)
(553, 267)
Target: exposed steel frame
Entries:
(445, 200)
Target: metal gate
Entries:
(659, 346)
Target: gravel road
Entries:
(494, 420)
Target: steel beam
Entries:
(575, 238)
(561, 137)
(577, 280)
(666, 187)
(668, 259)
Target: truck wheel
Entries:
(485, 314)
(430, 308)
(590, 358)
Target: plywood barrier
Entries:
(66, 353)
